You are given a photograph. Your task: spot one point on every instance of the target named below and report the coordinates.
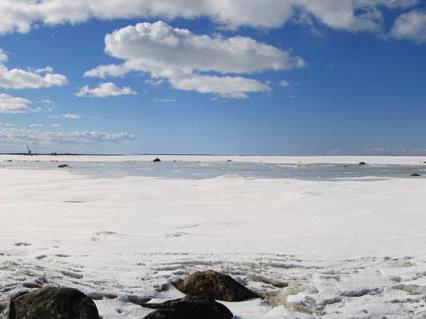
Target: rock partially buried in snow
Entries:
(53, 303)
(362, 163)
(156, 160)
(415, 175)
(192, 307)
(215, 285)
(63, 166)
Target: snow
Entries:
(347, 248)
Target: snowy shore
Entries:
(352, 248)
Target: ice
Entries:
(350, 244)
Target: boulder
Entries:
(63, 166)
(156, 160)
(191, 307)
(215, 285)
(52, 303)
(362, 163)
(415, 175)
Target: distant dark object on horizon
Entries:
(63, 166)
(362, 163)
(415, 175)
(156, 160)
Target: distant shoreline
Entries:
(206, 154)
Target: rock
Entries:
(156, 160)
(63, 166)
(415, 175)
(53, 303)
(192, 307)
(215, 285)
(362, 163)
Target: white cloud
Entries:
(183, 58)
(28, 79)
(410, 26)
(67, 116)
(105, 90)
(38, 137)
(3, 56)
(11, 104)
(285, 83)
(226, 86)
(35, 125)
(354, 15)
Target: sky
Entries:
(242, 77)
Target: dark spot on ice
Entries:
(361, 292)
(177, 235)
(22, 244)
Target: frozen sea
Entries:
(349, 241)
(205, 169)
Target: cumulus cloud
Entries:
(226, 86)
(39, 137)
(105, 90)
(11, 104)
(28, 79)
(354, 15)
(410, 26)
(184, 58)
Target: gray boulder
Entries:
(52, 303)
(192, 307)
(215, 285)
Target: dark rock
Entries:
(362, 163)
(63, 166)
(53, 303)
(22, 244)
(415, 175)
(192, 307)
(156, 160)
(215, 285)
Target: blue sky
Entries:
(273, 77)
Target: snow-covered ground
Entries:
(347, 248)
